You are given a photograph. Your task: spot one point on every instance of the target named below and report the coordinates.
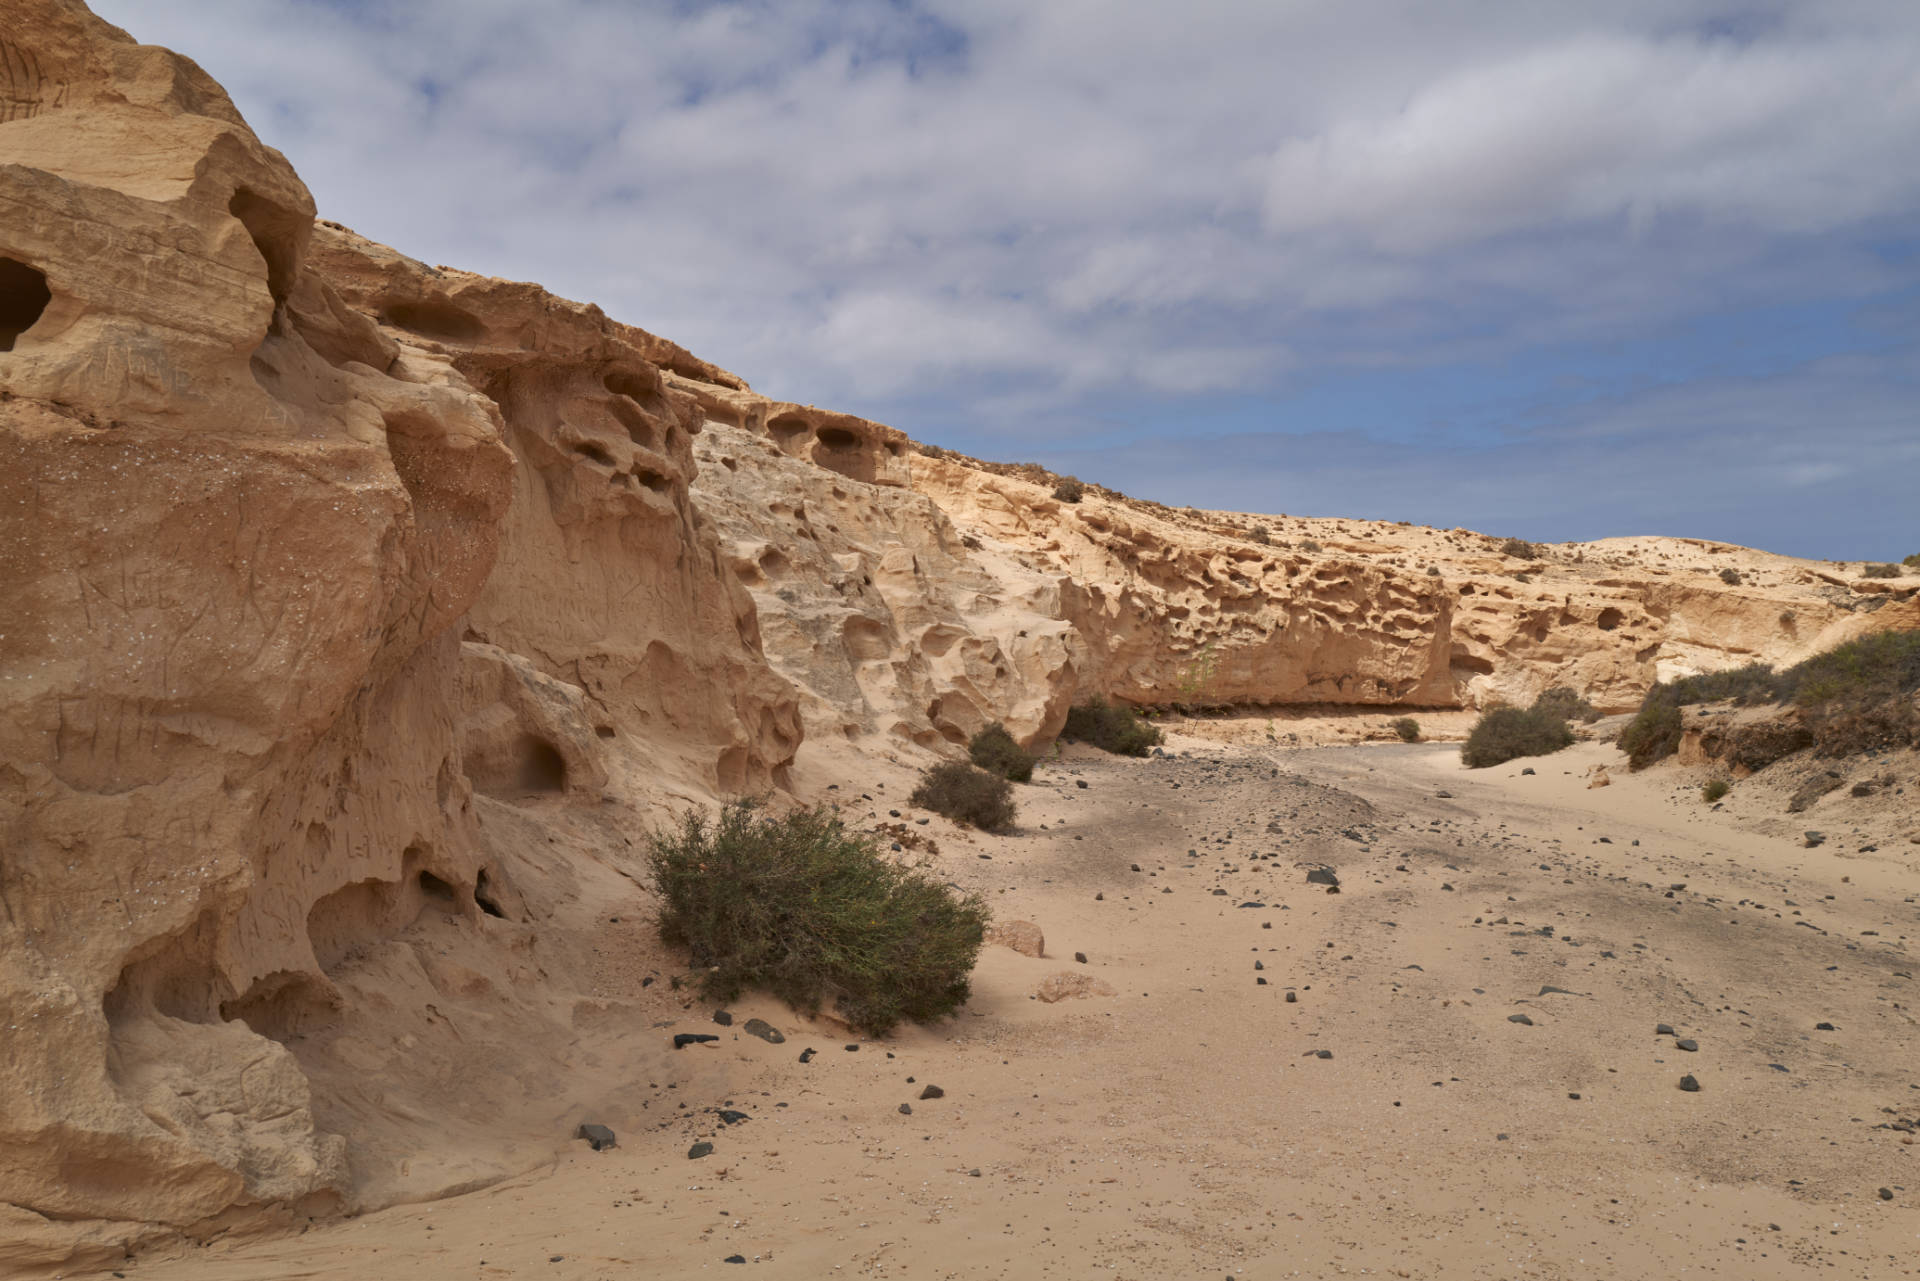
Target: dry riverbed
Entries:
(1449, 1068)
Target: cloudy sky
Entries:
(1554, 268)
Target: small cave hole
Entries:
(639, 430)
(838, 438)
(483, 896)
(1609, 619)
(277, 233)
(433, 319)
(587, 449)
(604, 731)
(437, 890)
(637, 387)
(786, 431)
(653, 480)
(23, 296)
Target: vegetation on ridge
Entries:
(1120, 730)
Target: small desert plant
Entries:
(1912, 562)
(1730, 576)
(1881, 571)
(964, 794)
(810, 911)
(1715, 789)
(1567, 705)
(1069, 490)
(1408, 729)
(1505, 733)
(1259, 534)
(994, 751)
(1120, 730)
(1433, 571)
(1519, 549)
(1309, 545)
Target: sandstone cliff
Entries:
(361, 614)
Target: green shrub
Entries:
(1880, 571)
(1567, 705)
(1715, 789)
(1120, 730)
(1505, 733)
(994, 751)
(1652, 734)
(1730, 576)
(1912, 562)
(810, 911)
(1519, 549)
(1309, 545)
(1069, 490)
(1259, 534)
(1408, 729)
(964, 794)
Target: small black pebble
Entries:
(851, 1049)
(1690, 1085)
(735, 1258)
(723, 1017)
(1292, 998)
(1686, 1044)
(699, 1150)
(1886, 1194)
(1521, 1019)
(933, 1092)
(1080, 957)
(806, 1055)
(906, 1109)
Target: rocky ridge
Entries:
(363, 613)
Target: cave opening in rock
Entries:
(23, 297)
(433, 319)
(837, 438)
(277, 233)
(437, 890)
(1610, 618)
(483, 896)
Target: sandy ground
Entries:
(1185, 1126)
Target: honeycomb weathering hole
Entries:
(837, 438)
(1610, 618)
(441, 320)
(277, 233)
(23, 297)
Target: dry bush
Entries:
(994, 750)
(810, 911)
(1408, 729)
(1119, 730)
(1506, 733)
(967, 795)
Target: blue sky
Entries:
(1535, 267)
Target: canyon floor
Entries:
(1188, 1125)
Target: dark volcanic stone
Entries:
(730, 1117)
(1886, 1194)
(806, 1055)
(1664, 1029)
(1323, 1054)
(1080, 783)
(735, 1258)
(598, 1135)
(723, 1017)
(1687, 1044)
(933, 1092)
(906, 1109)
(1527, 770)
(1690, 1085)
(1322, 876)
(1520, 1019)
(1080, 957)
(1292, 998)
(765, 1031)
(698, 1150)
(1823, 1027)
(681, 1040)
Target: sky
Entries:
(1546, 268)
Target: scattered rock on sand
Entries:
(698, 1150)
(933, 1092)
(681, 1040)
(1068, 985)
(765, 1031)
(723, 1017)
(1323, 876)
(1023, 937)
(1664, 1029)
(1686, 1044)
(598, 1135)
(1690, 1085)
(1520, 1019)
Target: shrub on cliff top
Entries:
(1120, 730)
(964, 794)
(1855, 697)
(1506, 733)
(1519, 549)
(1069, 490)
(994, 751)
(809, 910)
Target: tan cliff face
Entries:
(360, 615)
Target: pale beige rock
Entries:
(1600, 779)
(1023, 937)
(1071, 985)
